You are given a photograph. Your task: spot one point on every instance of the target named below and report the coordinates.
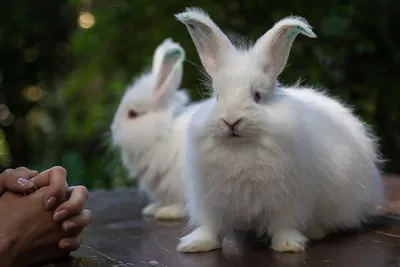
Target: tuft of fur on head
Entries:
(194, 13)
(299, 23)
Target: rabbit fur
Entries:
(152, 142)
(290, 162)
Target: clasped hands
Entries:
(41, 217)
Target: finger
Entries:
(55, 175)
(18, 185)
(74, 205)
(16, 182)
(70, 244)
(55, 181)
(75, 225)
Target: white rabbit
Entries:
(290, 162)
(150, 128)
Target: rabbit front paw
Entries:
(151, 209)
(172, 212)
(288, 240)
(200, 240)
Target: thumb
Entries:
(53, 181)
(17, 185)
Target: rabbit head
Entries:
(244, 79)
(147, 107)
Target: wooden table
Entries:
(119, 236)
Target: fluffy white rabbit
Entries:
(150, 128)
(290, 162)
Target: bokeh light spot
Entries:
(86, 20)
(33, 93)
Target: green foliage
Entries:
(33, 52)
(4, 150)
(356, 57)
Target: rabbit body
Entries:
(294, 163)
(157, 161)
(313, 171)
(150, 128)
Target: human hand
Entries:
(69, 204)
(72, 215)
(28, 233)
(55, 180)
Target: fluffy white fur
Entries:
(303, 165)
(152, 143)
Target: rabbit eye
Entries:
(132, 114)
(257, 97)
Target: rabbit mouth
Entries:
(234, 135)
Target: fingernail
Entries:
(66, 244)
(50, 204)
(23, 182)
(68, 226)
(59, 216)
(86, 212)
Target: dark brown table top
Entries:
(119, 236)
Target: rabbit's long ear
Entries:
(272, 49)
(167, 68)
(211, 43)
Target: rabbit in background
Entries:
(287, 161)
(150, 128)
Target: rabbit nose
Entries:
(231, 124)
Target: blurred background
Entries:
(64, 65)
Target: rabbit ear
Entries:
(208, 38)
(272, 49)
(167, 67)
(159, 54)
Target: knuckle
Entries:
(9, 172)
(22, 169)
(74, 206)
(33, 172)
(59, 174)
(82, 189)
(60, 170)
(25, 172)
